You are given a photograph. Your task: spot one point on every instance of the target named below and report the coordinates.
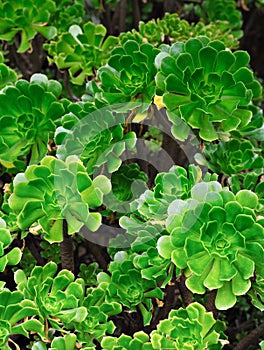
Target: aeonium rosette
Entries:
(29, 113)
(190, 328)
(221, 10)
(231, 157)
(216, 238)
(129, 73)
(206, 85)
(95, 135)
(57, 190)
(128, 287)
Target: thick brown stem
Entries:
(66, 249)
(68, 88)
(136, 13)
(122, 16)
(210, 305)
(185, 293)
(171, 301)
(34, 249)
(28, 62)
(252, 339)
(98, 253)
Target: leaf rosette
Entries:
(65, 304)
(146, 222)
(172, 28)
(206, 85)
(190, 328)
(29, 112)
(57, 296)
(97, 324)
(231, 157)
(95, 135)
(176, 183)
(27, 18)
(129, 74)
(81, 50)
(15, 314)
(217, 239)
(67, 12)
(126, 286)
(223, 10)
(56, 190)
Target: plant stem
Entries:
(68, 88)
(136, 13)
(122, 16)
(210, 305)
(185, 293)
(34, 250)
(98, 254)
(252, 339)
(66, 249)
(171, 300)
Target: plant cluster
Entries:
(98, 250)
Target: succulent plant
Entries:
(176, 183)
(126, 286)
(207, 86)
(57, 296)
(231, 157)
(56, 190)
(133, 35)
(26, 18)
(29, 112)
(190, 328)
(218, 30)
(97, 324)
(81, 50)
(124, 177)
(150, 263)
(67, 12)
(216, 238)
(16, 318)
(88, 273)
(146, 221)
(95, 135)
(64, 302)
(224, 10)
(129, 74)
(172, 28)
(254, 129)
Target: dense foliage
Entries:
(131, 173)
